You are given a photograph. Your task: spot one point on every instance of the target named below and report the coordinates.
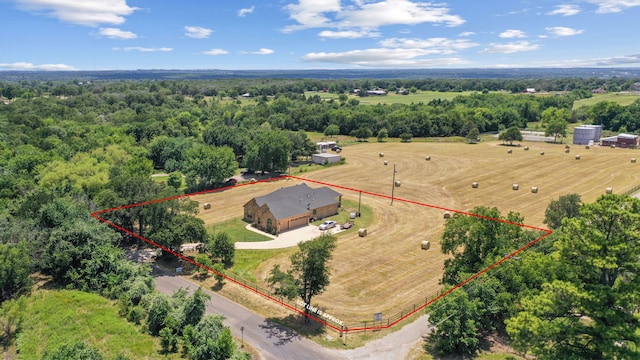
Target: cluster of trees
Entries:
(67, 149)
(572, 296)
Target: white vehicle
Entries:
(327, 225)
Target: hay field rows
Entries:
(387, 270)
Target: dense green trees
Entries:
(592, 311)
(206, 166)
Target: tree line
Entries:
(573, 295)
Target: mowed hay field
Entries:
(386, 270)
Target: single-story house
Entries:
(325, 158)
(291, 207)
(621, 140)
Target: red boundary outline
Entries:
(547, 232)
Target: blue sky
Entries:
(316, 34)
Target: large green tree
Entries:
(207, 165)
(590, 313)
(511, 134)
(269, 150)
(477, 241)
(309, 273)
(566, 206)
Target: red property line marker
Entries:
(547, 232)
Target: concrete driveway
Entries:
(286, 239)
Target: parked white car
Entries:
(327, 225)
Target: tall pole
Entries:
(359, 202)
(393, 184)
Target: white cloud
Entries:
(613, 6)
(563, 31)
(508, 48)
(216, 52)
(243, 12)
(384, 57)
(437, 45)
(466, 33)
(40, 67)
(197, 32)
(262, 51)
(565, 10)
(144, 49)
(114, 33)
(89, 13)
(347, 34)
(511, 33)
(367, 14)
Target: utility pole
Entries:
(393, 184)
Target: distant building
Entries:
(325, 158)
(587, 134)
(323, 146)
(621, 140)
(530, 90)
(376, 92)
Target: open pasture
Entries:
(386, 270)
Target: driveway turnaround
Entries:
(286, 239)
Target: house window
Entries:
(315, 211)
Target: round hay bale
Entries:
(252, 180)
(362, 232)
(526, 148)
(567, 147)
(206, 206)
(386, 162)
(509, 151)
(474, 185)
(515, 186)
(534, 189)
(613, 146)
(428, 158)
(425, 245)
(397, 183)
(566, 151)
(541, 152)
(381, 154)
(609, 190)
(587, 147)
(577, 157)
(447, 215)
(633, 160)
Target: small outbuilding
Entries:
(325, 158)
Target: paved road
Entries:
(271, 340)
(278, 343)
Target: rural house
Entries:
(291, 207)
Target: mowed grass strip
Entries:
(237, 231)
(622, 99)
(53, 318)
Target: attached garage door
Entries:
(294, 223)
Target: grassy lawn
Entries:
(82, 316)
(236, 229)
(622, 99)
(247, 261)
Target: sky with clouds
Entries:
(316, 34)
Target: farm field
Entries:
(391, 98)
(622, 99)
(386, 270)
